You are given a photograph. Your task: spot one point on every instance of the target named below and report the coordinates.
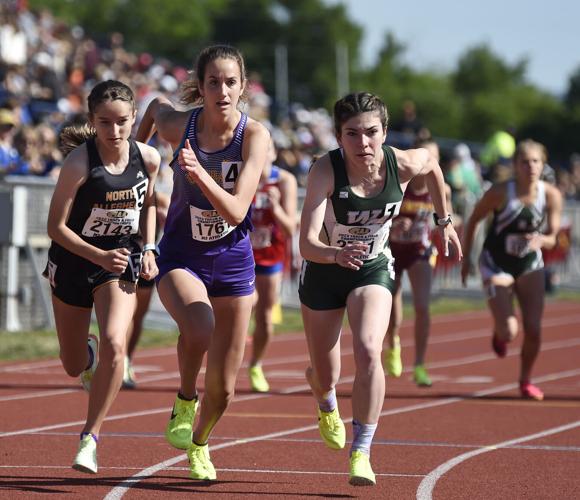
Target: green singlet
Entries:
(351, 218)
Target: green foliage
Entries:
(434, 97)
(480, 70)
(311, 35)
(250, 26)
(572, 98)
(175, 29)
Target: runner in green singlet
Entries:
(526, 218)
(352, 195)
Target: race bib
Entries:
(261, 200)
(230, 173)
(261, 237)
(517, 245)
(414, 234)
(374, 235)
(208, 225)
(103, 222)
(135, 261)
(139, 192)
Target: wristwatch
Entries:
(151, 246)
(442, 221)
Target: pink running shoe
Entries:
(499, 346)
(530, 391)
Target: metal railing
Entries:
(25, 295)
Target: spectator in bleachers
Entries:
(29, 160)
(47, 146)
(409, 123)
(9, 156)
(12, 40)
(462, 174)
(575, 173)
(565, 184)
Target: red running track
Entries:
(469, 436)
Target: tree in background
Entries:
(174, 29)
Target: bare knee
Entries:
(367, 360)
(532, 331)
(73, 365)
(220, 397)
(194, 342)
(195, 336)
(112, 351)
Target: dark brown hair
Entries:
(110, 90)
(72, 136)
(190, 93)
(355, 104)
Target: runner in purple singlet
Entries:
(206, 267)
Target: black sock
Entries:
(182, 397)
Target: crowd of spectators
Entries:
(47, 68)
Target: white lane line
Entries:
(474, 334)
(154, 411)
(425, 490)
(119, 491)
(376, 442)
(40, 394)
(163, 351)
(302, 387)
(250, 471)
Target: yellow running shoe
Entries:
(200, 466)
(180, 426)
(257, 379)
(331, 429)
(87, 375)
(277, 314)
(393, 363)
(421, 377)
(361, 472)
(86, 459)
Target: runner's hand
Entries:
(349, 256)
(116, 260)
(149, 266)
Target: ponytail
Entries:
(74, 135)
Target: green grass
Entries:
(39, 344)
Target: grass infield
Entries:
(39, 344)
